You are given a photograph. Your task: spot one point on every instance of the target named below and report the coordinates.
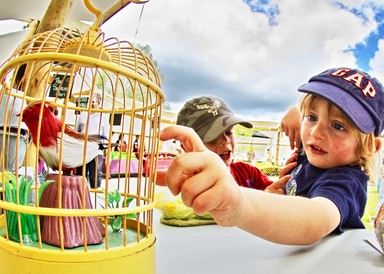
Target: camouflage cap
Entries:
(209, 117)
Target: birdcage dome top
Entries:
(90, 48)
(121, 70)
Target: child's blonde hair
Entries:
(366, 145)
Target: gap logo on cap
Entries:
(357, 79)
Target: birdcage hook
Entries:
(97, 12)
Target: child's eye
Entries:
(229, 133)
(311, 117)
(338, 126)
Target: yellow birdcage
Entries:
(62, 223)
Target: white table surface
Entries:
(213, 249)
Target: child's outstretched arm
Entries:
(206, 184)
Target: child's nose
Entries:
(318, 130)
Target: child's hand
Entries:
(189, 140)
(205, 184)
(290, 164)
(278, 187)
(290, 125)
(203, 180)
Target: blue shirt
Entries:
(345, 186)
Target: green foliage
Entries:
(27, 221)
(114, 201)
(166, 106)
(370, 208)
(123, 87)
(243, 131)
(147, 50)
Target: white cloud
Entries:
(221, 48)
(377, 63)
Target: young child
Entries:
(343, 115)
(213, 121)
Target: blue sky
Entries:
(253, 54)
(364, 50)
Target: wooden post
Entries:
(277, 148)
(56, 15)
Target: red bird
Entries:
(50, 138)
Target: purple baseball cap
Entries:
(359, 96)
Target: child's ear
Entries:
(378, 143)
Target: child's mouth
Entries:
(225, 155)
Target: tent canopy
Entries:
(35, 9)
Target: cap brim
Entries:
(221, 124)
(353, 109)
